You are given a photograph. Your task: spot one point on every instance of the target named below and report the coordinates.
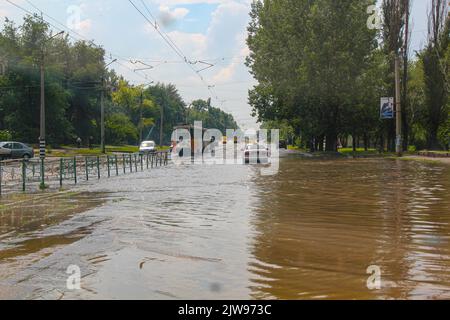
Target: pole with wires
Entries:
(102, 109)
(398, 108)
(42, 142)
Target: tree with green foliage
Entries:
(436, 73)
(137, 104)
(211, 117)
(75, 76)
(20, 86)
(310, 58)
(170, 106)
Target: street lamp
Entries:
(102, 108)
(42, 113)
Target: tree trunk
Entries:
(320, 143)
(312, 145)
(380, 140)
(331, 144)
(366, 142)
(432, 140)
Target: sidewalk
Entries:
(429, 159)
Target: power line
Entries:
(173, 46)
(156, 27)
(81, 37)
(166, 38)
(72, 31)
(159, 60)
(204, 61)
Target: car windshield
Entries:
(147, 144)
(255, 147)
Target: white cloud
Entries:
(84, 26)
(3, 13)
(192, 43)
(75, 21)
(224, 38)
(172, 3)
(167, 17)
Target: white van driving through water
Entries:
(147, 147)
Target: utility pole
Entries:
(161, 129)
(42, 142)
(102, 117)
(42, 122)
(405, 63)
(102, 110)
(141, 122)
(398, 109)
(42, 113)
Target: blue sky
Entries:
(213, 31)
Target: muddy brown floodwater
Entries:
(219, 232)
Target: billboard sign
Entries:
(387, 108)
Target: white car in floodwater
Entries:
(147, 147)
(256, 153)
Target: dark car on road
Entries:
(15, 150)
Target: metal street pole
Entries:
(42, 142)
(141, 111)
(141, 124)
(161, 129)
(398, 109)
(102, 110)
(42, 117)
(42, 124)
(102, 116)
(405, 69)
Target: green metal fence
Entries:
(22, 175)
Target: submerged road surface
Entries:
(227, 232)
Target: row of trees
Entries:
(75, 77)
(323, 70)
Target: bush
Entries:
(120, 130)
(444, 135)
(5, 135)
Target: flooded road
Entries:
(227, 232)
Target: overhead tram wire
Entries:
(165, 61)
(121, 57)
(80, 37)
(173, 46)
(74, 32)
(166, 38)
(181, 54)
(165, 34)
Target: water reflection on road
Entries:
(218, 232)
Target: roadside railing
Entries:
(23, 175)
